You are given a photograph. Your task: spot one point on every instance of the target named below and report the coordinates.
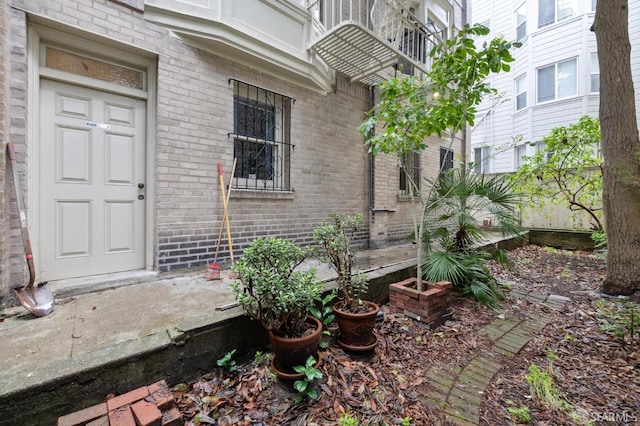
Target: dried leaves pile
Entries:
(594, 369)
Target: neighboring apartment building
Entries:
(121, 110)
(553, 82)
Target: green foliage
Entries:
(333, 240)
(227, 362)
(270, 289)
(520, 414)
(348, 420)
(621, 318)
(599, 238)
(567, 171)
(325, 314)
(542, 388)
(457, 200)
(405, 421)
(262, 358)
(455, 203)
(304, 386)
(411, 109)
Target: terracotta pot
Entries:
(290, 352)
(356, 330)
(289, 373)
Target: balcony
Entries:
(364, 38)
(269, 35)
(303, 41)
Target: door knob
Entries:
(141, 185)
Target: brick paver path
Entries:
(461, 395)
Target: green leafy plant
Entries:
(567, 171)
(599, 238)
(324, 313)
(467, 271)
(347, 419)
(520, 414)
(334, 242)
(405, 421)
(271, 290)
(227, 362)
(453, 209)
(542, 388)
(621, 318)
(262, 358)
(411, 109)
(305, 386)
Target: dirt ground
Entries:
(589, 353)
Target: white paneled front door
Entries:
(92, 182)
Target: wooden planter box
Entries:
(429, 305)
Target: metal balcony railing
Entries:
(364, 38)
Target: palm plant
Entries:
(457, 200)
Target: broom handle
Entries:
(224, 218)
(226, 214)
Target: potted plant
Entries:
(273, 292)
(410, 110)
(355, 317)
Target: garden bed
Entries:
(596, 371)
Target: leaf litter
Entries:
(595, 371)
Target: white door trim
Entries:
(40, 34)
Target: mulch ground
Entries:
(590, 356)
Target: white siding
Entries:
(571, 38)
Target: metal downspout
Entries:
(371, 170)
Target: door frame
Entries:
(41, 32)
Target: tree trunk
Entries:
(620, 148)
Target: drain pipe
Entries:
(371, 170)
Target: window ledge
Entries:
(407, 198)
(249, 194)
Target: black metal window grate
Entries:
(261, 138)
(446, 159)
(410, 165)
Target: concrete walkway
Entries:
(109, 336)
(461, 395)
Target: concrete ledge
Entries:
(40, 396)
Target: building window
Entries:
(520, 152)
(521, 92)
(552, 11)
(595, 73)
(481, 160)
(446, 159)
(557, 81)
(438, 18)
(261, 138)
(521, 22)
(410, 166)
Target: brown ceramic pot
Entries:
(356, 330)
(290, 352)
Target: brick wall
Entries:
(194, 110)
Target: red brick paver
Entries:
(151, 405)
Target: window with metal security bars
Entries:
(261, 138)
(410, 166)
(446, 159)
